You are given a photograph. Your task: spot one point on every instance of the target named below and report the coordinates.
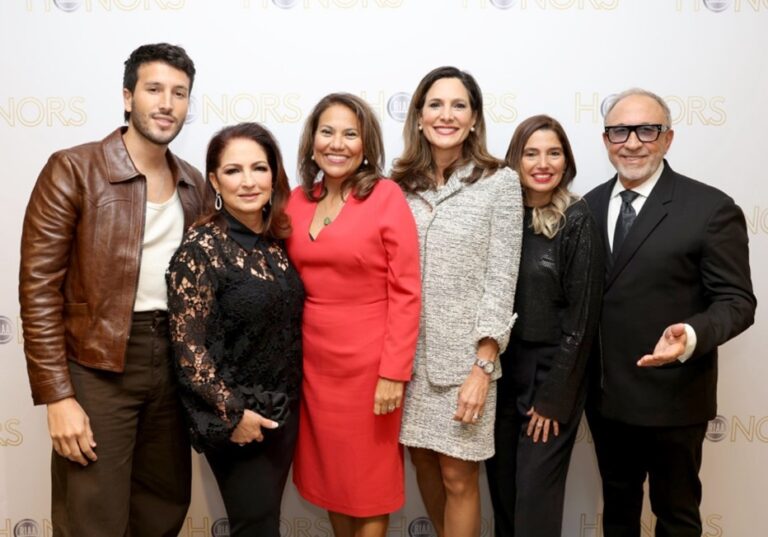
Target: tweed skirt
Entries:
(428, 418)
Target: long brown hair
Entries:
(549, 219)
(360, 183)
(415, 170)
(277, 223)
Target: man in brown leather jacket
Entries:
(102, 222)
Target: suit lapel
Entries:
(653, 212)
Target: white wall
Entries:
(271, 60)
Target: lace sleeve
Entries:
(214, 406)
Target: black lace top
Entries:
(235, 306)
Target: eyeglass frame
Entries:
(659, 128)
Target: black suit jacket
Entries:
(685, 259)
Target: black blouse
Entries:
(235, 306)
(558, 298)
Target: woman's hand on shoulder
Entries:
(249, 428)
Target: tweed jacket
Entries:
(470, 237)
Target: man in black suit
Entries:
(677, 286)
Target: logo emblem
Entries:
(421, 527)
(606, 104)
(397, 106)
(6, 329)
(220, 528)
(191, 111)
(26, 528)
(717, 429)
(68, 5)
(717, 6)
(503, 4)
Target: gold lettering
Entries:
(749, 431)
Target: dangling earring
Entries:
(218, 203)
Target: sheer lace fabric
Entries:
(235, 317)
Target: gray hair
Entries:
(645, 93)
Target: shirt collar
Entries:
(240, 233)
(644, 189)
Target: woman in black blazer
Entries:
(541, 395)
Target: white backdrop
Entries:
(271, 60)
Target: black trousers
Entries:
(252, 478)
(140, 485)
(527, 480)
(669, 456)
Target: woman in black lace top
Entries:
(559, 290)
(235, 306)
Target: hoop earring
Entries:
(218, 203)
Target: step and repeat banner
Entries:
(271, 60)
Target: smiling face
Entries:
(338, 143)
(159, 103)
(447, 116)
(636, 161)
(244, 180)
(541, 167)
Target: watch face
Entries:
(489, 367)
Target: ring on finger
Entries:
(539, 425)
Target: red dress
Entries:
(361, 320)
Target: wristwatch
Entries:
(488, 366)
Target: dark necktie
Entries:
(626, 217)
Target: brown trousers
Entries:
(140, 485)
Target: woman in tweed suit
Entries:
(468, 212)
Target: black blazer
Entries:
(685, 259)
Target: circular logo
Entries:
(421, 527)
(6, 329)
(717, 429)
(503, 4)
(717, 6)
(26, 528)
(191, 111)
(285, 4)
(220, 528)
(606, 104)
(68, 5)
(397, 106)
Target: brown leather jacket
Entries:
(80, 256)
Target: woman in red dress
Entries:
(355, 245)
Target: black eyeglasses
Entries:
(645, 133)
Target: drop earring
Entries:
(218, 203)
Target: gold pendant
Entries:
(326, 220)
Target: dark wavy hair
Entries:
(360, 183)
(173, 55)
(547, 220)
(415, 171)
(277, 224)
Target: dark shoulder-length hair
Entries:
(360, 183)
(277, 224)
(415, 170)
(549, 219)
